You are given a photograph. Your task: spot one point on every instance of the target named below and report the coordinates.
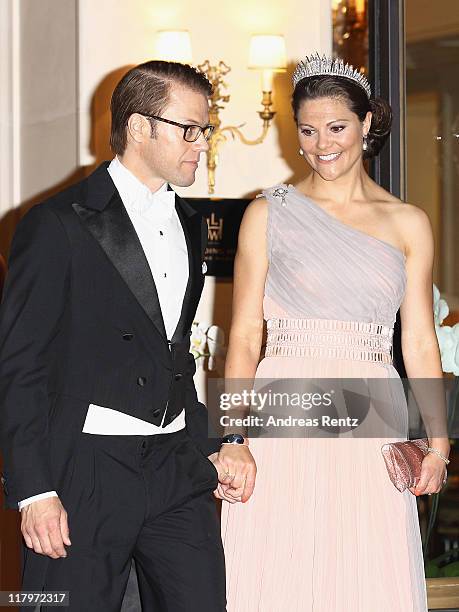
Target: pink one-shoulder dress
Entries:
(326, 530)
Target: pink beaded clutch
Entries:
(403, 461)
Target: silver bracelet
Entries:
(437, 452)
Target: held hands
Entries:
(433, 471)
(45, 528)
(236, 472)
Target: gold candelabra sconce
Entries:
(266, 54)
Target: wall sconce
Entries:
(267, 53)
(173, 46)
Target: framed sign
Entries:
(223, 221)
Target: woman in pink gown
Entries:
(327, 264)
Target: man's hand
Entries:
(45, 528)
(239, 472)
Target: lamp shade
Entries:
(173, 46)
(267, 52)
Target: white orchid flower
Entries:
(448, 341)
(206, 341)
(448, 337)
(215, 342)
(198, 340)
(440, 307)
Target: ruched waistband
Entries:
(328, 338)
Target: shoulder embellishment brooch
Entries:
(281, 192)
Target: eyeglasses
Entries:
(190, 132)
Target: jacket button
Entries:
(127, 336)
(141, 381)
(156, 412)
(178, 376)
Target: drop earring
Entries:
(300, 151)
(365, 143)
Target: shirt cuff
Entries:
(25, 502)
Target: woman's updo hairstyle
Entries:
(357, 101)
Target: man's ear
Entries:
(138, 128)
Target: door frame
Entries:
(386, 61)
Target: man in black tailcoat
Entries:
(106, 447)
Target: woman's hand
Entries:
(433, 470)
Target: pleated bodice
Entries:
(322, 268)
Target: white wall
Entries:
(48, 86)
(9, 106)
(38, 104)
(57, 53)
(219, 30)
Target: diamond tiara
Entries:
(318, 66)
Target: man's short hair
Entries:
(145, 89)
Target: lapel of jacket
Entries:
(191, 223)
(105, 217)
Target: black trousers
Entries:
(142, 497)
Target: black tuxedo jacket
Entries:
(81, 323)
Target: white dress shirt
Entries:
(160, 232)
